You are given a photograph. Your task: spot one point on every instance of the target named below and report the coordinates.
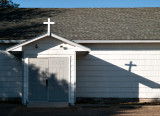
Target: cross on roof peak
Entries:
(49, 25)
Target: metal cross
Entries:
(49, 25)
(130, 65)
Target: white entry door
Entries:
(48, 79)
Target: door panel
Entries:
(58, 81)
(38, 70)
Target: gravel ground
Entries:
(7, 109)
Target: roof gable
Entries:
(18, 46)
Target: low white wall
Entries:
(10, 74)
(104, 72)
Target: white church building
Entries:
(110, 53)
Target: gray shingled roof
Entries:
(82, 24)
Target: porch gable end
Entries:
(18, 47)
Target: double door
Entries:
(48, 79)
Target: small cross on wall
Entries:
(130, 65)
(49, 25)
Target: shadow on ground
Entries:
(8, 109)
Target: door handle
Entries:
(46, 82)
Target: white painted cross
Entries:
(49, 25)
(130, 65)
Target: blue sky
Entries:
(86, 3)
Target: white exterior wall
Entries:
(50, 47)
(103, 72)
(10, 74)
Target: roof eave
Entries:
(117, 41)
(11, 41)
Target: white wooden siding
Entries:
(50, 47)
(10, 74)
(103, 72)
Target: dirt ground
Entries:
(13, 109)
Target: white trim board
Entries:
(117, 41)
(93, 41)
(11, 41)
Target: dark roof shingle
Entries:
(82, 23)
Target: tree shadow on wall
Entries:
(100, 79)
(10, 76)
